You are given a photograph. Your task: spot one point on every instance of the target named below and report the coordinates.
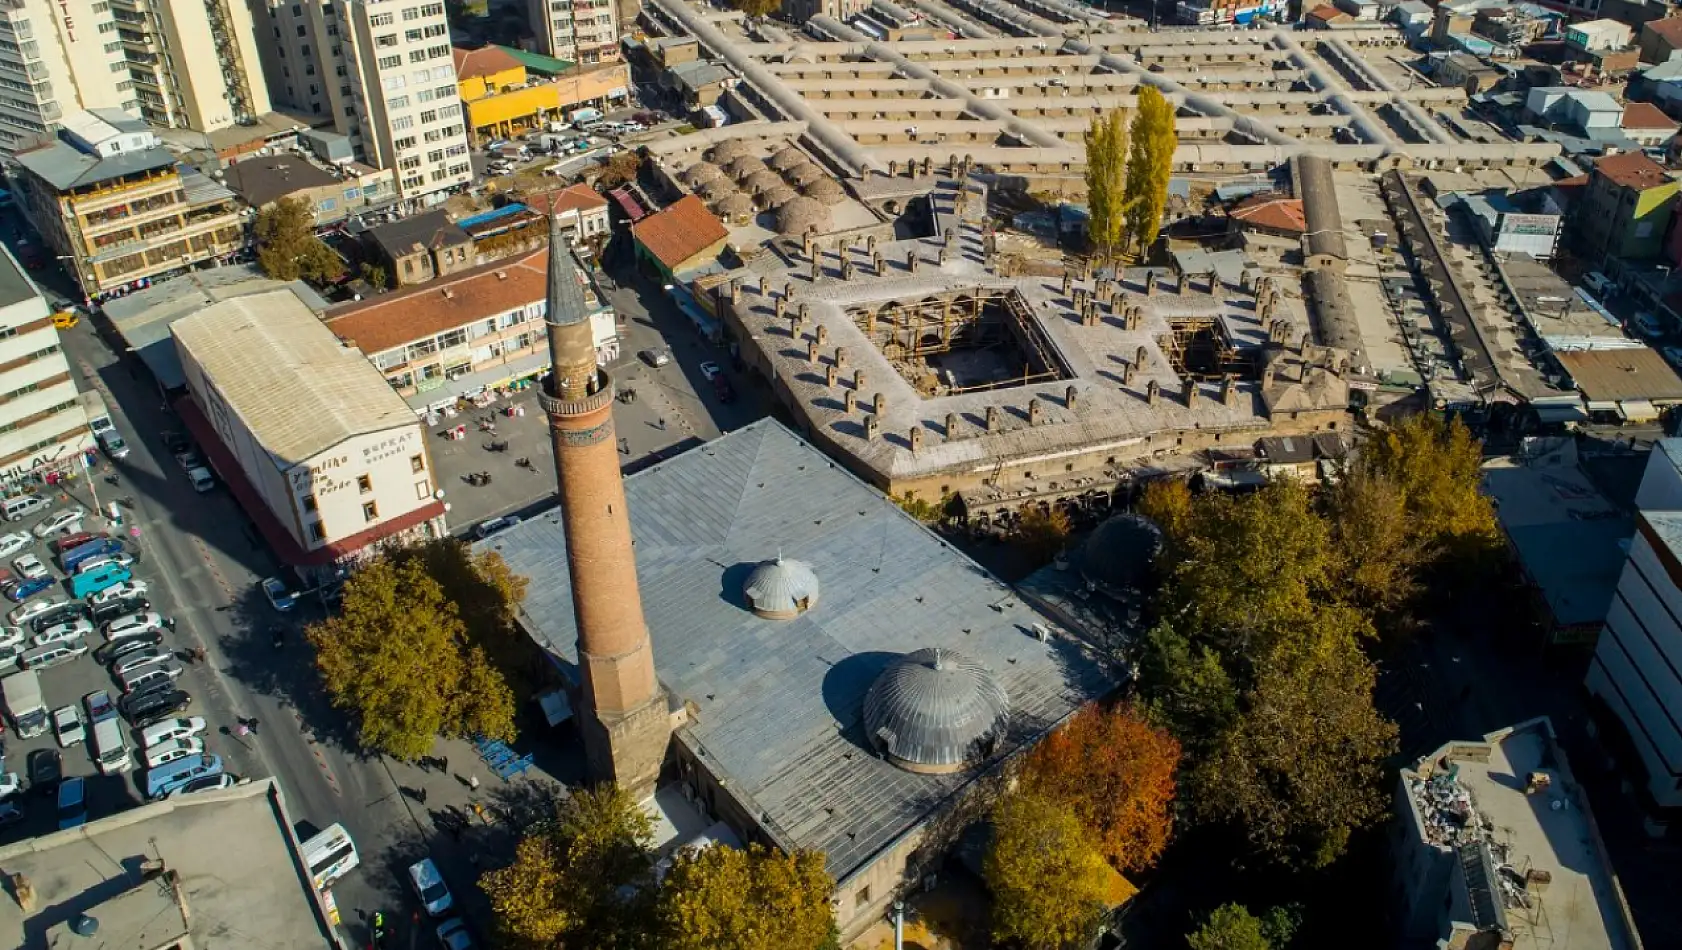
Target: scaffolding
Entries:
(911, 333)
(228, 55)
(1199, 348)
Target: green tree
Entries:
(376, 276)
(287, 248)
(577, 875)
(757, 8)
(1150, 163)
(1380, 551)
(723, 898)
(486, 594)
(1230, 927)
(1106, 161)
(398, 660)
(1050, 886)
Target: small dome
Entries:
(800, 215)
(787, 157)
(761, 181)
(717, 189)
(727, 150)
(745, 165)
(701, 172)
(804, 174)
(826, 190)
(734, 206)
(781, 589)
(775, 197)
(1116, 558)
(934, 711)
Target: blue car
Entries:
(72, 803)
(23, 590)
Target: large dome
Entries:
(1117, 557)
(934, 710)
(781, 589)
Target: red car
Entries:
(71, 541)
(722, 389)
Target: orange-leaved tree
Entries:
(1116, 773)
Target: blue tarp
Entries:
(488, 216)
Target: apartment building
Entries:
(585, 32)
(330, 470)
(383, 72)
(460, 335)
(115, 206)
(43, 427)
(191, 65)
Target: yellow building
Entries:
(503, 98)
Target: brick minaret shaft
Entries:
(623, 717)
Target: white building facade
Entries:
(43, 427)
(383, 72)
(1635, 670)
(579, 31)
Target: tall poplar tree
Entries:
(1150, 161)
(1106, 162)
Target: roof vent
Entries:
(782, 589)
(501, 275)
(449, 294)
(84, 926)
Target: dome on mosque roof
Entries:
(782, 589)
(934, 710)
(1118, 555)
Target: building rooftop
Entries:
(1543, 874)
(485, 61)
(230, 877)
(65, 167)
(429, 230)
(776, 704)
(392, 319)
(1622, 375)
(260, 345)
(1645, 115)
(1272, 211)
(262, 179)
(537, 62)
(578, 197)
(1632, 170)
(1670, 28)
(680, 231)
(15, 285)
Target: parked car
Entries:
(27, 612)
(710, 370)
(12, 636)
(279, 597)
(453, 935)
(1646, 324)
(46, 769)
(57, 612)
(72, 803)
(10, 814)
(135, 660)
(109, 653)
(124, 591)
(179, 728)
(14, 542)
(146, 678)
(487, 528)
(71, 542)
(655, 358)
(134, 625)
(30, 567)
(69, 521)
(68, 632)
(429, 886)
(166, 752)
(145, 709)
(207, 783)
(111, 610)
(723, 390)
(23, 590)
(67, 726)
(113, 444)
(99, 706)
(92, 564)
(10, 784)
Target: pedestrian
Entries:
(420, 796)
(444, 763)
(662, 423)
(473, 782)
(252, 725)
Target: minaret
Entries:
(624, 717)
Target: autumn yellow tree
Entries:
(399, 660)
(1050, 887)
(582, 875)
(1116, 773)
(1039, 532)
(1106, 162)
(1150, 163)
(1437, 467)
(724, 898)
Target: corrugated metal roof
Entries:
(778, 703)
(65, 167)
(294, 385)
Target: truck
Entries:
(24, 704)
(99, 417)
(579, 117)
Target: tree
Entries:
(757, 8)
(1116, 773)
(1040, 532)
(1168, 503)
(1437, 467)
(723, 898)
(486, 594)
(397, 659)
(1379, 549)
(287, 248)
(573, 876)
(376, 277)
(1106, 160)
(1230, 927)
(622, 167)
(1049, 884)
(1150, 163)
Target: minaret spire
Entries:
(626, 726)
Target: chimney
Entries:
(872, 425)
(911, 260)
(1191, 393)
(951, 426)
(847, 269)
(1033, 412)
(879, 404)
(1141, 356)
(841, 357)
(858, 379)
(1128, 372)
(916, 439)
(1267, 375)
(735, 291)
(1070, 398)
(992, 418)
(1150, 283)
(811, 351)
(782, 307)
(951, 235)
(764, 286)
(1068, 281)
(823, 334)
(850, 400)
(1152, 388)
(817, 268)
(1185, 284)
(829, 376)
(876, 262)
(1229, 392)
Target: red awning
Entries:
(285, 546)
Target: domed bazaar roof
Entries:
(762, 180)
(700, 172)
(800, 215)
(725, 152)
(776, 196)
(788, 157)
(744, 166)
(716, 189)
(934, 710)
(734, 205)
(804, 174)
(826, 190)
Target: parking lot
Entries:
(69, 682)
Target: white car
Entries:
(182, 728)
(709, 370)
(11, 544)
(30, 567)
(139, 659)
(65, 522)
(33, 608)
(105, 560)
(10, 784)
(207, 783)
(136, 624)
(147, 677)
(166, 752)
(127, 590)
(12, 636)
(67, 726)
(64, 632)
(430, 887)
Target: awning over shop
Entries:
(471, 383)
(1560, 412)
(1638, 410)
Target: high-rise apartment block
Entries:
(579, 31)
(181, 65)
(383, 73)
(43, 426)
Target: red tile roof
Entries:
(680, 232)
(1326, 13)
(382, 322)
(1645, 115)
(1632, 170)
(285, 546)
(485, 61)
(1669, 29)
(579, 197)
(1272, 211)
